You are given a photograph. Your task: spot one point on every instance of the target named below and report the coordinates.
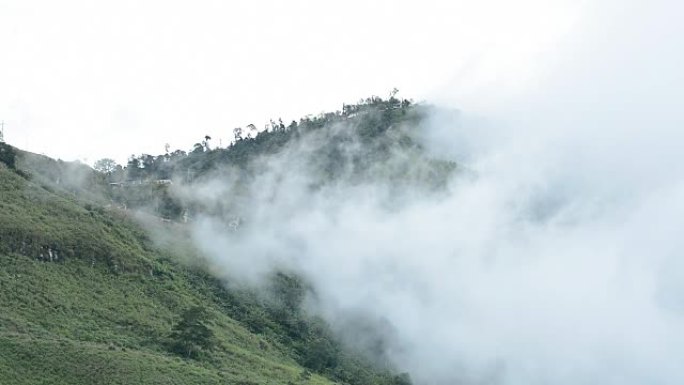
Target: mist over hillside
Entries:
(454, 247)
(549, 254)
(522, 226)
(101, 273)
(442, 245)
(540, 259)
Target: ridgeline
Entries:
(89, 296)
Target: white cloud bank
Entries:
(557, 260)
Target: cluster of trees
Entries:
(141, 167)
(369, 118)
(249, 142)
(280, 314)
(276, 314)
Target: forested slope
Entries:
(86, 297)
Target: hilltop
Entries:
(91, 295)
(373, 141)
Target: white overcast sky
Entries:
(92, 79)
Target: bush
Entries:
(191, 335)
(7, 155)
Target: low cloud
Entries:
(551, 255)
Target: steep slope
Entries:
(92, 292)
(86, 298)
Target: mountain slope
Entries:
(87, 299)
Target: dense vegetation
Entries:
(368, 120)
(88, 297)
(376, 129)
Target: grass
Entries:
(100, 309)
(87, 296)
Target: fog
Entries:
(552, 256)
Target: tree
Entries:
(149, 164)
(197, 148)
(191, 336)
(252, 131)
(7, 155)
(237, 132)
(178, 154)
(205, 142)
(402, 379)
(134, 168)
(105, 166)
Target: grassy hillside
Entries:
(86, 298)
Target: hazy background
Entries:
(85, 80)
(557, 260)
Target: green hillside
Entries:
(87, 298)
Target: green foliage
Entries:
(402, 379)
(369, 119)
(7, 155)
(153, 198)
(382, 133)
(70, 179)
(191, 336)
(105, 165)
(50, 227)
(86, 299)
